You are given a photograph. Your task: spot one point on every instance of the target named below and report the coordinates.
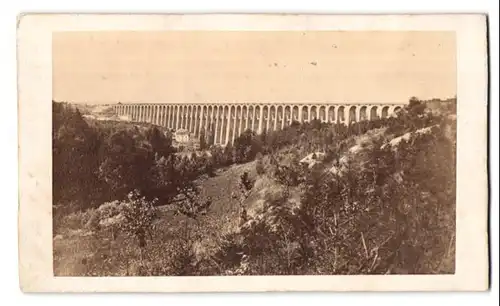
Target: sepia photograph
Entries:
(255, 153)
(259, 152)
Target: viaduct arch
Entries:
(229, 120)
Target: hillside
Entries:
(373, 198)
(90, 248)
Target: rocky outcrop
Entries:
(410, 136)
(313, 158)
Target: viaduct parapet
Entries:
(228, 120)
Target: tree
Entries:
(288, 171)
(263, 137)
(188, 202)
(203, 141)
(246, 147)
(228, 155)
(139, 215)
(164, 178)
(315, 124)
(76, 148)
(245, 183)
(259, 166)
(209, 167)
(211, 135)
(127, 165)
(160, 142)
(217, 156)
(245, 187)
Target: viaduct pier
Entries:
(228, 120)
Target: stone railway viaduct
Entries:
(229, 120)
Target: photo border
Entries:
(35, 147)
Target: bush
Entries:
(259, 166)
(288, 171)
(138, 217)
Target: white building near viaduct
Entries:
(229, 120)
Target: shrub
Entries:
(288, 171)
(138, 217)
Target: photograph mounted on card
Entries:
(220, 153)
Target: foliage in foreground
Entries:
(393, 211)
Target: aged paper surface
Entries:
(270, 63)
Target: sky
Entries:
(248, 66)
